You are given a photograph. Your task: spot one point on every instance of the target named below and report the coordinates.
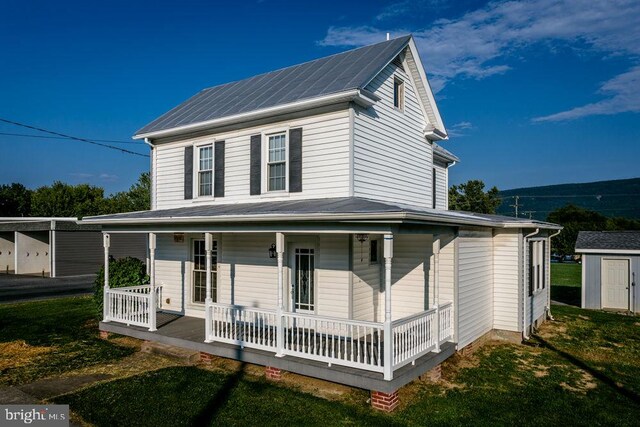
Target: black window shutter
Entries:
(531, 269)
(256, 165)
(295, 160)
(544, 264)
(218, 190)
(188, 172)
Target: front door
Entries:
(615, 283)
(303, 281)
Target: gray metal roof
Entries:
(444, 153)
(316, 209)
(608, 240)
(332, 74)
(43, 224)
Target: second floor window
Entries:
(205, 171)
(398, 94)
(276, 162)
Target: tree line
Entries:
(472, 197)
(66, 200)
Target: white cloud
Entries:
(108, 177)
(477, 44)
(459, 129)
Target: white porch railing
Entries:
(335, 341)
(352, 343)
(243, 326)
(130, 304)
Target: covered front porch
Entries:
(292, 329)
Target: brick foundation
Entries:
(206, 357)
(273, 373)
(103, 335)
(434, 374)
(386, 402)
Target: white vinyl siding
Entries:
(408, 285)
(172, 272)
(392, 159)
(332, 266)
(367, 277)
(442, 185)
(506, 275)
(475, 285)
(325, 162)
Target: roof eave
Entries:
(361, 97)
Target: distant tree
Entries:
(138, 198)
(62, 199)
(15, 200)
(471, 197)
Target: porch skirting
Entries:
(188, 332)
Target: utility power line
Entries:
(64, 137)
(89, 141)
(558, 196)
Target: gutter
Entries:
(359, 96)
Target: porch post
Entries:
(436, 286)
(106, 241)
(208, 243)
(152, 276)
(280, 308)
(388, 338)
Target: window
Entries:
(276, 162)
(205, 171)
(537, 266)
(398, 94)
(433, 187)
(373, 251)
(199, 282)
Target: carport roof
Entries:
(619, 241)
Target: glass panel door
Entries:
(303, 279)
(199, 283)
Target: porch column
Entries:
(436, 286)
(280, 308)
(106, 241)
(152, 276)
(388, 338)
(208, 244)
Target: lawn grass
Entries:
(583, 369)
(43, 338)
(566, 280)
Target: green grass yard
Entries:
(566, 280)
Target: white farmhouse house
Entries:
(299, 221)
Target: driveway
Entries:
(23, 288)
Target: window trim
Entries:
(196, 170)
(265, 162)
(400, 84)
(215, 271)
(537, 266)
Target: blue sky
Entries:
(533, 93)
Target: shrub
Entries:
(127, 271)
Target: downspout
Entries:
(549, 316)
(525, 293)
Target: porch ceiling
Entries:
(345, 213)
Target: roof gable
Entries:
(345, 71)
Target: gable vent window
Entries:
(398, 94)
(398, 62)
(205, 171)
(277, 163)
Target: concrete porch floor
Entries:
(188, 332)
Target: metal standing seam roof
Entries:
(608, 240)
(341, 72)
(329, 208)
(444, 153)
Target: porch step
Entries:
(186, 356)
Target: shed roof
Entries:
(619, 241)
(349, 70)
(445, 154)
(327, 209)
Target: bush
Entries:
(122, 272)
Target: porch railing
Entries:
(344, 342)
(130, 304)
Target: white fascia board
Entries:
(609, 251)
(356, 95)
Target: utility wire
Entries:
(61, 137)
(113, 147)
(558, 196)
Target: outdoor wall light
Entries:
(362, 237)
(272, 250)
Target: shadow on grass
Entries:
(209, 413)
(630, 394)
(571, 295)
